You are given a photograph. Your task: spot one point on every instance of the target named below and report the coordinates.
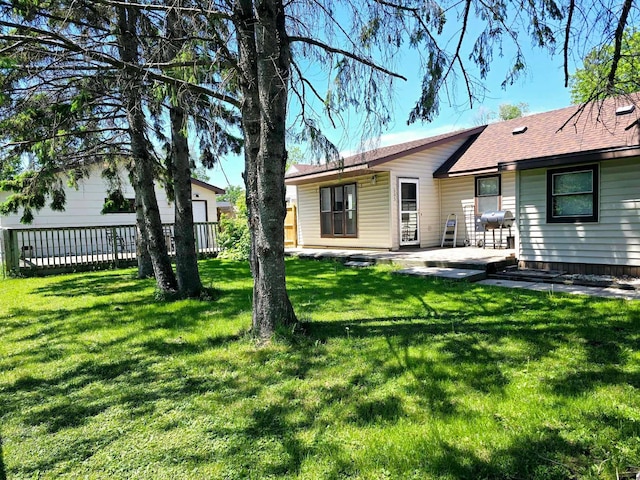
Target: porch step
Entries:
(358, 264)
(465, 274)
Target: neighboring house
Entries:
(572, 182)
(84, 204)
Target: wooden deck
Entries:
(39, 251)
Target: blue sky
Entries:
(541, 87)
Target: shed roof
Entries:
(568, 135)
(207, 186)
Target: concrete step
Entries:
(468, 275)
(358, 264)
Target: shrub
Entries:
(234, 238)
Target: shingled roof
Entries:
(564, 136)
(378, 156)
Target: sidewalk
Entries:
(607, 292)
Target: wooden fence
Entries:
(291, 227)
(34, 251)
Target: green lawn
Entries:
(395, 377)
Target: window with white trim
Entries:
(487, 194)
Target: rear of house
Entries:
(570, 177)
(382, 199)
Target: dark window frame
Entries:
(475, 192)
(595, 187)
(118, 209)
(332, 212)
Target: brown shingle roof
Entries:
(381, 155)
(207, 186)
(596, 129)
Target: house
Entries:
(571, 177)
(85, 204)
(382, 199)
(90, 228)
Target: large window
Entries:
(487, 194)
(572, 194)
(338, 211)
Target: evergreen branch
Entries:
(572, 7)
(347, 54)
(622, 22)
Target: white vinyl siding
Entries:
(421, 166)
(613, 240)
(372, 211)
(83, 205)
(458, 196)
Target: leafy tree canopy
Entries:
(590, 82)
(233, 193)
(510, 111)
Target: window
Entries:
(338, 211)
(487, 194)
(572, 194)
(117, 203)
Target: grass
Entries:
(395, 377)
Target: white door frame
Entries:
(403, 238)
(205, 205)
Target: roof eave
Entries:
(329, 175)
(207, 186)
(426, 146)
(571, 158)
(463, 173)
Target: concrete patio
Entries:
(460, 263)
(472, 258)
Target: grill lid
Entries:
(497, 219)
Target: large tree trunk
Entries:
(265, 62)
(187, 273)
(144, 174)
(145, 266)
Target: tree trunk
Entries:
(144, 174)
(264, 63)
(145, 266)
(187, 273)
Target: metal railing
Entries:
(29, 251)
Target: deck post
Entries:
(11, 251)
(114, 246)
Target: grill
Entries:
(497, 220)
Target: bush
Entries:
(234, 238)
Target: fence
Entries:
(29, 251)
(291, 227)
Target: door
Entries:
(200, 219)
(199, 211)
(409, 211)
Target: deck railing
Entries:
(33, 251)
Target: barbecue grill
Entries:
(494, 220)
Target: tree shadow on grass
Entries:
(97, 284)
(539, 457)
(429, 347)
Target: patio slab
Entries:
(460, 257)
(606, 292)
(444, 272)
